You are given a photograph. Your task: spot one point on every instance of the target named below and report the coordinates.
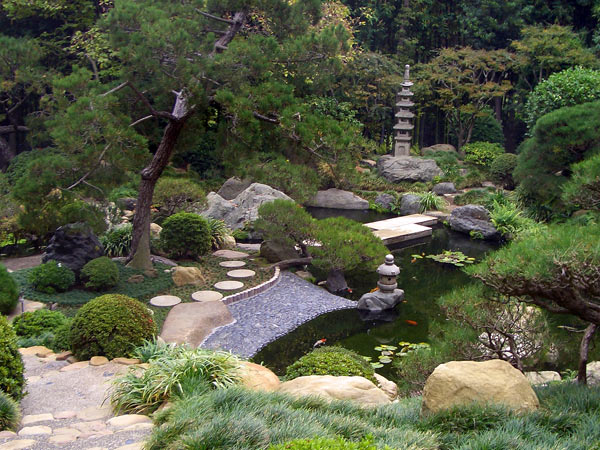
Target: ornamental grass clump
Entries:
(111, 325)
(173, 371)
(10, 415)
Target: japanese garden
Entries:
(299, 224)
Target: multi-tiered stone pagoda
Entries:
(404, 117)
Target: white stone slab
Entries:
(165, 300)
(206, 296)
(232, 264)
(230, 254)
(241, 273)
(229, 285)
(397, 222)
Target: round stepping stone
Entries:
(232, 264)
(241, 273)
(229, 285)
(206, 296)
(165, 300)
(230, 254)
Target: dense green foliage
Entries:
(582, 190)
(325, 444)
(100, 274)
(173, 369)
(9, 292)
(10, 415)
(117, 240)
(51, 277)
(560, 138)
(186, 234)
(111, 325)
(502, 168)
(569, 87)
(482, 153)
(486, 128)
(11, 364)
(30, 324)
(336, 361)
(218, 232)
(173, 195)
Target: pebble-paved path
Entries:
(274, 313)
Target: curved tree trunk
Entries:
(583, 352)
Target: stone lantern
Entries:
(388, 295)
(388, 272)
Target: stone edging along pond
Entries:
(255, 290)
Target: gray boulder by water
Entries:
(233, 187)
(73, 245)
(439, 148)
(379, 301)
(444, 188)
(338, 199)
(410, 204)
(473, 218)
(243, 208)
(407, 168)
(386, 201)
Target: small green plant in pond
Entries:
(476, 234)
(456, 258)
(390, 352)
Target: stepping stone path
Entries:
(229, 285)
(241, 273)
(230, 254)
(165, 300)
(206, 296)
(232, 264)
(63, 409)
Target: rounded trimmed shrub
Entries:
(51, 277)
(10, 415)
(100, 274)
(111, 325)
(38, 322)
(502, 168)
(11, 364)
(482, 153)
(9, 292)
(337, 361)
(185, 234)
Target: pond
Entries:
(423, 281)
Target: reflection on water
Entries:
(423, 282)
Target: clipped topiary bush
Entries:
(336, 361)
(100, 274)
(9, 292)
(10, 415)
(111, 325)
(51, 277)
(35, 323)
(185, 234)
(173, 195)
(482, 153)
(502, 168)
(11, 364)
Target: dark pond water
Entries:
(423, 282)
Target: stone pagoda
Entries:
(404, 125)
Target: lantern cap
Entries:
(388, 269)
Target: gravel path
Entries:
(274, 313)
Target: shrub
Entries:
(31, 324)
(9, 292)
(336, 361)
(10, 416)
(62, 337)
(122, 192)
(100, 274)
(185, 234)
(11, 364)
(583, 188)
(51, 277)
(111, 325)
(447, 161)
(486, 128)
(173, 195)
(173, 371)
(218, 232)
(482, 153)
(431, 202)
(79, 211)
(474, 177)
(117, 241)
(573, 86)
(502, 168)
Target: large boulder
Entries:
(387, 386)
(379, 301)
(542, 377)
(275, 252)
(473, 218)
(233, 187)
(407, 168)
(439, 148)
(187, 275)
(386, 201)
(410, 204)
(258, 378)
(593, 373)
(444, 188)
(338, 199)
(73, 245)
(243, 208)
(465, 382)
(356, 389)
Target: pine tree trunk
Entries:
(139, 257)
(583, 353)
